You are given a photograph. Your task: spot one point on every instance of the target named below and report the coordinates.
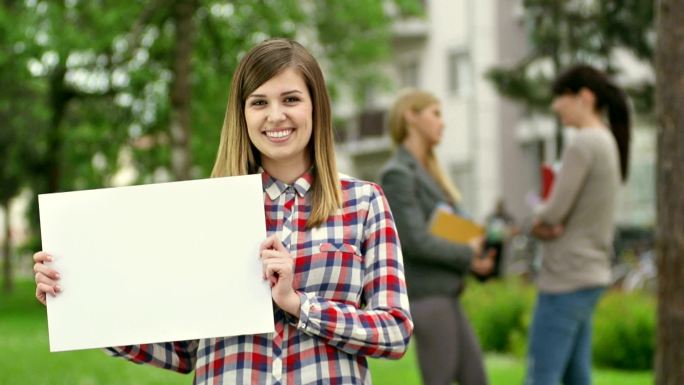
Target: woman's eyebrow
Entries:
(282, 94)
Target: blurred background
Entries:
(106, 93)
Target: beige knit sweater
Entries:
(583, 199)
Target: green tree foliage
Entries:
(562, 33)
(61, 93)
(83, 82)
(20, 121)
(352, 36)
(107, 69)
(70, 44)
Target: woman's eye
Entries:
(291, 99)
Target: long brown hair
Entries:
(236, 154)
(416, 101)
(609, 98)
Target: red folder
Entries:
(548, 175)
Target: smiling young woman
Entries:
(238, 156)
(332, 256)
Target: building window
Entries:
(371, 123)
(459, 74)
(408, 74)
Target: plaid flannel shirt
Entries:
(349, 276)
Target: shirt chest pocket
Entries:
(335, 272)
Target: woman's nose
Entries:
(275, 113)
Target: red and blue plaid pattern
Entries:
(349, 275)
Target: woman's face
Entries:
(570, 108)
(279, 119)
(429, 124)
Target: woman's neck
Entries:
(286, 171)
(417, 148)
(591, 121)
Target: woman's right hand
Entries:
(46, 278)
(481, 264)
(476, 244)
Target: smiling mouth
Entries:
(278, 134)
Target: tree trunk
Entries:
(670, 181)
(181, 159)
(8, 283)
(59, 100)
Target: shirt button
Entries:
(277, 369)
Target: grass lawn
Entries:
(502, 370)
(25, 358)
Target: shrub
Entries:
(497, 310)
(517, 341)
(624, 323)
(624, 331)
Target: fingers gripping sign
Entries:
(45, 277)
(275, 259)
(278, 268)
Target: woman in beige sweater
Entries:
(576, 226)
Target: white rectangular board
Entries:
(156, 263)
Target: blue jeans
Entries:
(560, 338)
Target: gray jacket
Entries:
(433, 266)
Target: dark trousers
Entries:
(448, 350)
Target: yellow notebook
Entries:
(454, 228)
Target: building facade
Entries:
(448, 52)
(491, 146)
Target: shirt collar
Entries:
(274, 188)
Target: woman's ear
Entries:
(587, 96)
(410, 117)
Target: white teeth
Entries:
(278, 134)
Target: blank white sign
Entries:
(155, 263)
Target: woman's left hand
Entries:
(545, 231)
(278, 268)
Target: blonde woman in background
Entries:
(415, 185)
